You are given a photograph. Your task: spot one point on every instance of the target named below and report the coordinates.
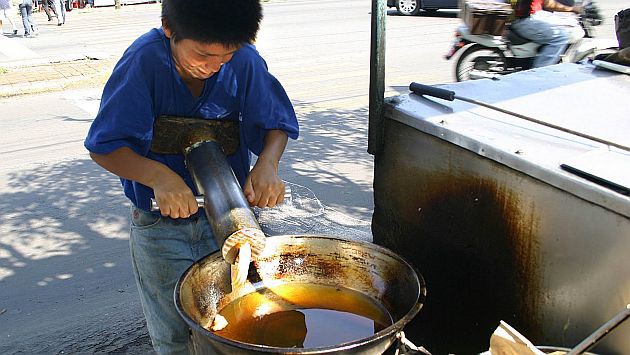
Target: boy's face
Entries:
(196, 60)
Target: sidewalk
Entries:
(59, 75)
(80, 53)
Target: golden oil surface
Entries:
(303, 316)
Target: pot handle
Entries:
(405, 346)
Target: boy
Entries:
(201, 63)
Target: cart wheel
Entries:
(408, 7)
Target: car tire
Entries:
(408, 7)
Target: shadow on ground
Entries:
(65, 271)
(330, 158)
(64, 262)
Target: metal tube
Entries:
(601, 332)
(551, 125)
(232, 220)
(420, 89)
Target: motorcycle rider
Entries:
(540, 26)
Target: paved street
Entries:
(65, 275)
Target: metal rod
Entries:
(215, 180)
(551, 125)
(156, 207)
(602, 331)
(421, 89)
(225, 204)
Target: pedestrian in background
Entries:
(49, 9)
(30, 27)
(537, 20)
(60, 10)
(6, 12)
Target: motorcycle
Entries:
(488, 56)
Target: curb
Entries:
(83, 74)
(12, 90)
(27, 62)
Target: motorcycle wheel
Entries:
(478, 62)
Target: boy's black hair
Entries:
(227, 22)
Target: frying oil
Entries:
(303, 316)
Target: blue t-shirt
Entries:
(145, 85)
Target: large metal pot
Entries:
(205, 288)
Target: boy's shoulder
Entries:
(150, 41)
(150, 45)
(249, 49)
(148, 54)
(247, 56)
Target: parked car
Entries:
(412, 7)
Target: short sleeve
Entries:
(125, 117)
(264, 103)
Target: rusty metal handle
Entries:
(231, 218)
(601, 332)
(156, 207)
(420, 89)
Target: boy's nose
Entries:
(214, 66)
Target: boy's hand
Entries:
(263, 187)
(175, 198)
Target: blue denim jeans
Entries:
(26, 11)
(540, 28)
(162, 249)
(60, 10)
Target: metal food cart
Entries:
(507, 219)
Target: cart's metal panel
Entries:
(478, 202)
(604, 167)
(581, 98)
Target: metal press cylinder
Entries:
(232, 220)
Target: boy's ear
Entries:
(167, 30)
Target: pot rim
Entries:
(392, 330)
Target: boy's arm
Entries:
(175, 198)
(263, 186)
